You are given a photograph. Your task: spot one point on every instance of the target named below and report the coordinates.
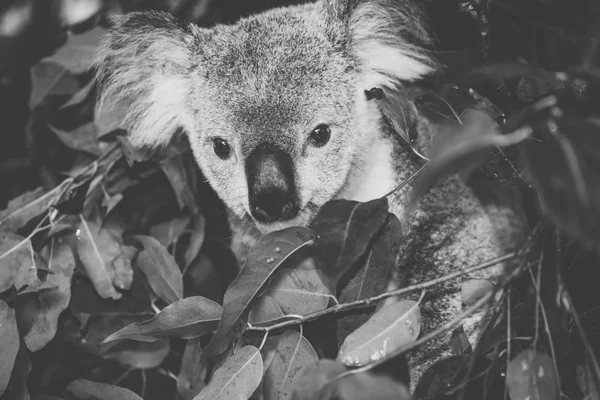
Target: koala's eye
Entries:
(221, 148)
(320, 135)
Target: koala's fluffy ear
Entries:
(387, 36)
(143, 67)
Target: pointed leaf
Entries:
(531, 375)
(79, 97)
(345, 229)
(161, 270)
(190, 380)
(29, 205)
(96, 252)
(52, 302)
(237, 379)
(50, 79)
(299, 291)
(264, 309)
(88, 390)
(373, 277)
(196, 241)
(293, 353)
(168, 232)
(77, 53)
(187, 318)
(15, 259)
(262, 261)
(391, 327)
(174, 169)
(140, 355)
(9, 345)
(82, 138)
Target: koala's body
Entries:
(280, 116)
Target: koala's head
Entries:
(276, 108)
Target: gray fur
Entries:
(274, 77)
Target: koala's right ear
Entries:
(143, 65)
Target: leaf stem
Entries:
(285, 322)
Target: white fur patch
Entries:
(384, 33)
(141, 75)
(385, 64)
(375, 178)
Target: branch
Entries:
(454, 322)
(285, 322)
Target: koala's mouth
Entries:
(304, 217)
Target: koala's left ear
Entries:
(387, 36)
(143, 65)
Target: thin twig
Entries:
(432, 335)
(371, 301)
(442, 329)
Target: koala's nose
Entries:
(271, 188)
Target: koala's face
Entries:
(275, 131)
(275, 106)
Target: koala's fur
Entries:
(271, 79)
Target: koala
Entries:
(289, 109)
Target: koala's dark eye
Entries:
(221, 148)
(320, 135)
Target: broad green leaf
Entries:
(97, 249)
(372, 277)
(168, 232)
(140, 355)
(311, 380)
(50, 79)
(293, 353)
(88, 390)
(9, 345)
(51, 303)
(187, 318)
(345, 230)
(262, 261)
(389, 328)
(299, 291)
(161, 270)
(237, 379)
(83, 138)
(264, 309)
(474, 289)
(16, 259)
(76, 55)
(531, 376)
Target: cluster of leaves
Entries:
(132, 288)
(116, 270)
